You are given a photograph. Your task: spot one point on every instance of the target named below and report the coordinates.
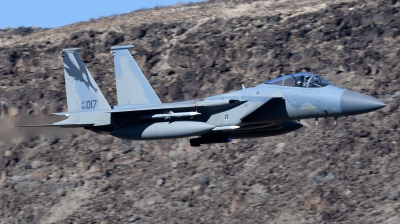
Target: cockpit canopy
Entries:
(302, 79)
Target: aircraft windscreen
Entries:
(316, 82)
(277, 81)
(302, 79)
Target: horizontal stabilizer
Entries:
(58, 125)
(36, 125)
(88, 119)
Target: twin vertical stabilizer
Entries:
(83, 94)
(132, 85)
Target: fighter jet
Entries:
(268, 109)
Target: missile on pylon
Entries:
(171, 115)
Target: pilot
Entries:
(306, 78)
(300, 82)
(303, 80)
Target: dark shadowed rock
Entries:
(137, 32)
(332, 174)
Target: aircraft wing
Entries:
(179, 106)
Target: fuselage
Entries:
(267, 105)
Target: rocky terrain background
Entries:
(348, 173)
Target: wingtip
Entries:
(122, 47)
(60, 114)
(70, 49)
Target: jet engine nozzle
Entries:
(357, 103)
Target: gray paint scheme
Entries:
(176, 129)
(83, 94)
(264, 110)
(132, 85)
(354, 103)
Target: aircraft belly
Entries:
(161, 130)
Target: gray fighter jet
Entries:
(268, 109)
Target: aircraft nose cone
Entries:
(357, 103)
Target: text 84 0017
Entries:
(89, 104)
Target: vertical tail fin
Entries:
(132, 85)
(82, 91)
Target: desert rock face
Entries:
(348, 173)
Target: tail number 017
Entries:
(89, 104)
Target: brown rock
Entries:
(37, 164)
(237, 205)
(94, 169)
(188, 53)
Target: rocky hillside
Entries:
(348, 173)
